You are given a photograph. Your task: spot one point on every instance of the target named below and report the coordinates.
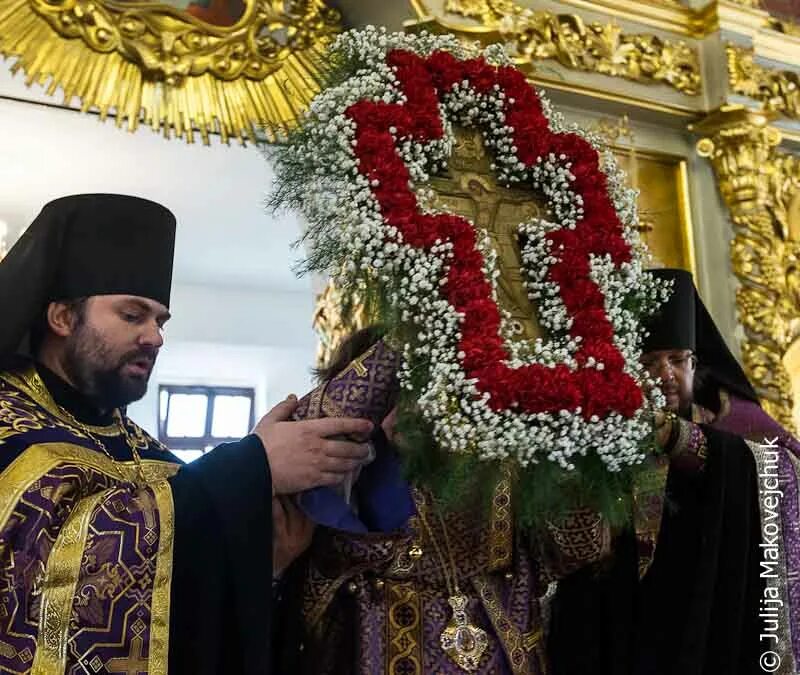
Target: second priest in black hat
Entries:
(115, 557)
(697, 610)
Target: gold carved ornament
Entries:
(760, 186)
(332, 324)
(785, 26)
(152, 63)
(612, 131)
(777, 90)
(575, 44)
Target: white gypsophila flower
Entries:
(353, 242)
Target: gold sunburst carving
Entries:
(151, 63)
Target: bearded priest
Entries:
(396, 582)
(115, 558)
(722, 593)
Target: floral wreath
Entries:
(358, 168)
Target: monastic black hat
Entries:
(673, 326)
(84, 245)
(683, 322)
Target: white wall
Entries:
(225, 235)
(241, 316)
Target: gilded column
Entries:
(751, 173)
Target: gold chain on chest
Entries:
(137, 459)
(36, 385)
(461, 639)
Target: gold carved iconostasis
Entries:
(698, 99)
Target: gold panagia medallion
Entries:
(461, 640)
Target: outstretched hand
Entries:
(303, 455)
(663, 428)
(291, 533)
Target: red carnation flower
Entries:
(445, 70)
(532, 388)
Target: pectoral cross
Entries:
(133, 664)
(358, 364)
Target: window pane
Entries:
(187, 415)
(188, 455)
(231, 417)
(162, 406)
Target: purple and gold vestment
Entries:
(86, 553)
(374, 591)
(777, 455)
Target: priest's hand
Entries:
(389, 425)
(303, 454)
(663, 428)
(291, 533)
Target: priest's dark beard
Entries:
(97, 373)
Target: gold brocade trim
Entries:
(315, 612)
(315, 403)
(581, 537)
(37, 460)
(510, 637)
(402, 564)
(30, 383)
(404, 626)
(160, 602)
(58, 589)
(154, 470)
(649, 488)
(501, 535)
(531, 639)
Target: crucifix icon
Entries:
(470, 189)
(133, 664)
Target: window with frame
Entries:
(194, 419)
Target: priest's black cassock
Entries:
(109, 566)
(696, 611)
